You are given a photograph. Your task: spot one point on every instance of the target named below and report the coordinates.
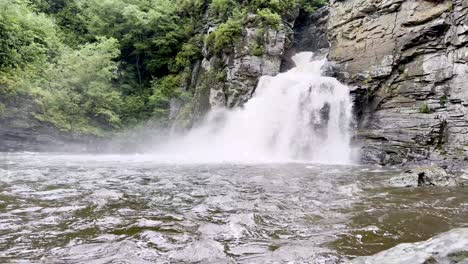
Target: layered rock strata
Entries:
(407, 63)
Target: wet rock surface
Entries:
(424, 176)
(449, 247)
(407, 62)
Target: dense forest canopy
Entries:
(96, 66)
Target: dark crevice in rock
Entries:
(423, 180)
(310, 34)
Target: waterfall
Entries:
(298, 115)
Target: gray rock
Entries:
(310, 32)
(20, 130)
(407, 62)
(424, 176)
(449, 247)
(37, 136)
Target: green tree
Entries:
(311, 6)
(78, 91)
(68, 16)
(223, 9)
(25, 37)
(164, 90)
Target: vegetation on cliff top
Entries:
(95, 66)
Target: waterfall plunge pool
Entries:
(59, 208)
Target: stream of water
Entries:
(57, 208)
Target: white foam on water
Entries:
(298, 115)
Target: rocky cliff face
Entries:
(35, 136)
(21, 131)
(407, 61)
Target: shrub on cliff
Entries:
(310, 6)
(223, 9)
(226, 34)
(269, 19)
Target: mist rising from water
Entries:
(298, 115)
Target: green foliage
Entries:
(425, 109)
(25, 37)
(150, 33)
(164, 90)
(280, 7)
(134, 109)
(223, 9)
(257, 49)
(226, 34)
(2, 110)
(310, 6)
(190, 52)
(221, 76)
(443, 100)
(190, 8)
(67, 15)
(268, 18)
(9, 84)
(95, 66)
(78, 92)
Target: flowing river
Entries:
(61, 208)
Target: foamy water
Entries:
(60, 208)
(298, 115)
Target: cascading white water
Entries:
(298, 115)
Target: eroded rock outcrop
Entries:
(407, 63)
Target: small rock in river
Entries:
(424, 176)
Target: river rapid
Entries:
(62, 208)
